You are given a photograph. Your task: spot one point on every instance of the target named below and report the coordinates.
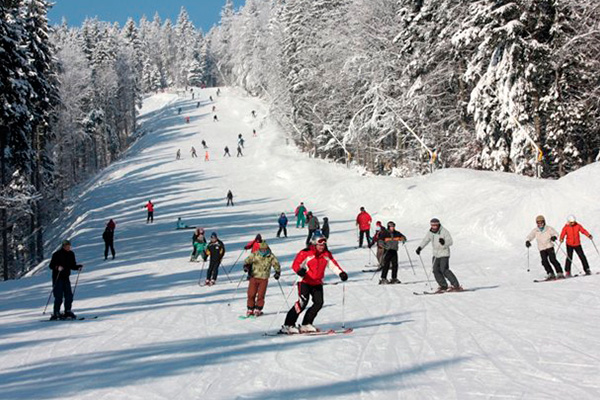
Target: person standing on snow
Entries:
(178, 155)
(572, 230)
(389, 240)
(193, 151)
(229, 198)
(254, 244)
(204, 144)
(379, 230)
(150, 207)
(240, 141)
(545, 236)
(199, 245)
(216, 251)
(226, 152)
(310, 264)
(363, 221)
(440, 242)
(325, 228)
(109, 239)
(258, 266)
(300, 214)
(283, 221)
(61, 264)
(313, 225)
(239, 152)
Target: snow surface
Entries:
(161, 336)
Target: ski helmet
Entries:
(540, 218)
(572, 218)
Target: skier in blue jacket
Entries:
(283, 221)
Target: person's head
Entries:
(258, 238)
(301, 203)
(283, 214)
(178, 218)
(378, 225)
(213, 237)
(309, 213)
(391, 225)
(435, 225)
(325, 219)
(572, 220)
(362, 209)
(66, 244)
(320, 243)
(540, 221)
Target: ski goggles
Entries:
(321, 241)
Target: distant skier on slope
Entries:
(258, 265)
(204, 145)
(182, 225)
(300, 214)
(572, 230)
(109, 239)
(313, 225)
(216, 251)
(545, 236)
(325, 228)
(310, 264)
(193, 151)
(150, 207)
(226, 152)
(440, 242)
(389, 241)
(282, 221)
(239, 152)
(178, 155)
(240, 141)
(363, 221)
(61, 264)
(229, 198)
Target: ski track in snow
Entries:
(161, 336)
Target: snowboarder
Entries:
(440, 242)
(363, 221)
(182, 225)
(226, 152)
(239, 152)
(109, 237)
(206, 158)
(312, 224)
(325, 228)
(178, 155)
(300, 214)
(545, 236)
(61, 264)
(215, 250)
(258, 266)
(389, 241)
(150, 207)
(310, 264)
(229, 198)
(283, 221)
(193, 151)
(199, 245)
(254, 244)
(204, 145)
(571, 230)
(215, 118)
(240, 141)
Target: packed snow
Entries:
(159, 335)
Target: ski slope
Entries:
(160, 336)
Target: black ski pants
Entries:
(109, 244)
(229, 201)
(549, 257)
(62, 289)
(150, 217)
(311, 232)
(580, 254)
(390, 258)
(441, 272)
(305, 291)
(213, 269)
(282, 228)
(366, 233)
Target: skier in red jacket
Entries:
(150, 207)
(254, 245)
(310, 264)
(572, 230)
(363, 220)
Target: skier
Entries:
(211, 99)
(571, 230)
(226, 152)
(300, 214)
(109, 237)
(375, 240)
(254, 244)
(363, 221)
(187, 120)
(389, 240)
(214, 108)
(199, 245)
(545, 236)
(179, 111)
(206, 158)
(312, 224)
(204, 145)
(215, 250)
(240, 141)
(440, 242)
(193, 151)
(215, 118)
(178, 155)
(239, 152)
(218, 92)
(283, 221)
(253, 114)
(229, 198)
(310, 264)
(258, 266)
(254, 132)
(325, 228)
(150, 207)
(198, 105)
(182, 225)
(61, 264)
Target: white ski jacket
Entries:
(543, 237)
(439, 250)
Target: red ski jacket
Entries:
(150, 207)
(254, 245)
(364, 221)
(315, 263)
(572, 234)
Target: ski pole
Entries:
(594, 243)
(201, 271)
(568, 258)
(236, 290)
(528, 251)
(77, 281)
(409, 259)
(51, 291)
(280, 308)
(426, 274)
(283, 294)
(236, 261)
(227, 275)
(343, 305)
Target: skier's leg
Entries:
(261, 292)
(582, 257)
(112, 249)
(106, 250)
(58, 295)
(279, 231)
(360, 238)
(385, 265)
(68, 296)
(438, 275)
(252, 289)
(394, 261)
(545, 263)
(569, 258)
(317, 297)
(554, 261)
(299, 306)
(445, 269)
(284, 231)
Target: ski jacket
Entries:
(216, 251)
(109, 235)
(300, 210)
(283, 221)
(181, 225)
(198, 238)
(572, 234)
(65, 259)
(149, 206)
(261, 265)
(363, 220)
(377, 236)
(313, 223)
(543, 237)
(439, 250)
(253, 245)
(389, 240)
(315, 263)
(229, 195)
(325, 229)
(111, 225)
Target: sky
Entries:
(203, 13)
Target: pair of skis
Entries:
(317, 333)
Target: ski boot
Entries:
(257, 312)
(441, 289)
(550, 277)
(288, 330)
(55, 317)
(249, 312)
(588, 272)
(384, 282)
(308, 328)
(567, 274)
(560, 275)
(456, 288)
(395, 281)
(69, 315)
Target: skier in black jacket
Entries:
(389, 240)
(61, 264)
(215, 250)
(109, 239)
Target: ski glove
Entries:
(246, 268)
(553, 238)
(442, 241)
(276, 276)
(418, 251)
(301, 272)
(344, 276)
(591, 237)
(528, 244)
(78, 266)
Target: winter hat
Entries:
(434, 221)
(391, 223)
(540, 218)
(66, 242)
(572, 218)
(325, 219)
(362, 209)
(214, 235)
(378, 223)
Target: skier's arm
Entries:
(586, 233)
(300, 262)
(276, 265)
(426, 240)
(447, 239)
(563, 233)
(531, 235)
(333, 265)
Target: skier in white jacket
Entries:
(545, 236)
(441, 241)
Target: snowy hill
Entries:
(160, 336)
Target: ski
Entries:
(247, 317)
(432, 293)
(318, 333)
(371, 270)
(69, 319)
(548, 280)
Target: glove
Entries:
(344, 276)
(553, 238)
(442, 241)
(79, 267)
(591, 237)
(276, 276)
(528, 244)
(418, 251)
(301, 272)
(246, 268)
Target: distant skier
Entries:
(211, 99)
(440, 242)
(187, 120)
(300, 214)
(214, 108)
(254, 244)
(198, 105)
(109, 239)
(199, 245)
(253, 113)
(179, 111)
(313, 225)
(61, 264)
(204, 145)
(258, 265)
(379, 254)
(363, 221)
(239, 152)
(389, 241)
(240, 141)
(310, 264)
(226, 152)
(218, 92)
(193, 151)
(545, 236)
(215, 250)
(178, 155)
(206, 158)
(283, 221)
(325, 228)
(181, 225)
(572, 230)
(254, 132)
(150, 207)
(215, 118)
(229, 198)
